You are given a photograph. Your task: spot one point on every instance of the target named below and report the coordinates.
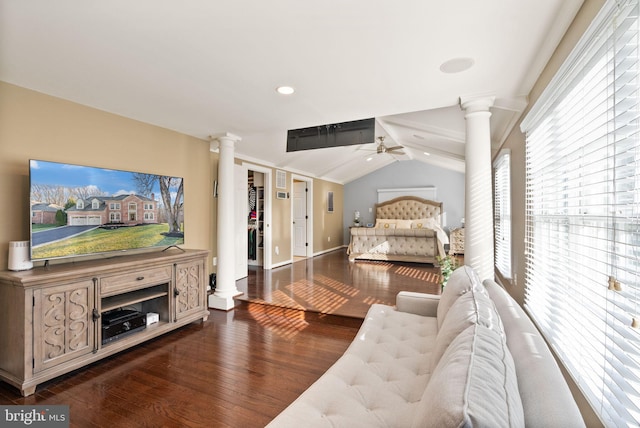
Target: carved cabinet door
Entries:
(190, 290)
(63, 326)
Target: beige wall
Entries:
(328, 229)
(37, 126)
(516, 143)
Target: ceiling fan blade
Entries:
(394, 148)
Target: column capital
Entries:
(478, 103)
(216, 139)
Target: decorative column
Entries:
(478, 247)
(226, 289)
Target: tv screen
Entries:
(79, 210)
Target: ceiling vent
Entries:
(332, 135)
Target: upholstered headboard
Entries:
(409, 208)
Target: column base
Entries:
(222, 303)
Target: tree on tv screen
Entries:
(169, 186)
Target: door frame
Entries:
(267, 262)
(309, 207)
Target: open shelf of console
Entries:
(133, 297)
(51, 318)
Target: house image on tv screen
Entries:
(126, 210)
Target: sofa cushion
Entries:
(461, 281)
(473, 307)
(473, 385)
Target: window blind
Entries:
(582, 274)
(502, 212)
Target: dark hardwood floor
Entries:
(329, 284)
(239, 368)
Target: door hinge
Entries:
(34, 302)
(306, 217)
(306, 189)
(33, 363)
(306, 244)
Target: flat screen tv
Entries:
(79, 210)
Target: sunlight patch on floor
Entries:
(371, 300)
(418, 274)
(279, 298)
(319, 298)
(336, 285)
(280, 321)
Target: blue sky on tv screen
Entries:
(112, 182)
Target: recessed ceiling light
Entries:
(285, 90)
(427, 153)
(457, 65)
(369, 159)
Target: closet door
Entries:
(241, 201)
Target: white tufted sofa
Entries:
(470, 357)
(415, 236)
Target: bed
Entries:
(407, 229)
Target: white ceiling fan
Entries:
(382, 148)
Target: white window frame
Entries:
(502, 212)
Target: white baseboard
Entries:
(319, 253)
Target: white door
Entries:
(241, 201)
(300, 218)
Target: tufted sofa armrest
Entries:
(418, 303)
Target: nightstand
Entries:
(456, 240)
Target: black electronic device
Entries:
(121, 323)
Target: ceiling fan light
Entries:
(285, 90)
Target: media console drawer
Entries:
(131, 281)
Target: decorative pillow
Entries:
(403, 224)
(422, 223)
(461, 280)
(473, 385)
(385, 224)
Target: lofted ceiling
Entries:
(203, 67)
